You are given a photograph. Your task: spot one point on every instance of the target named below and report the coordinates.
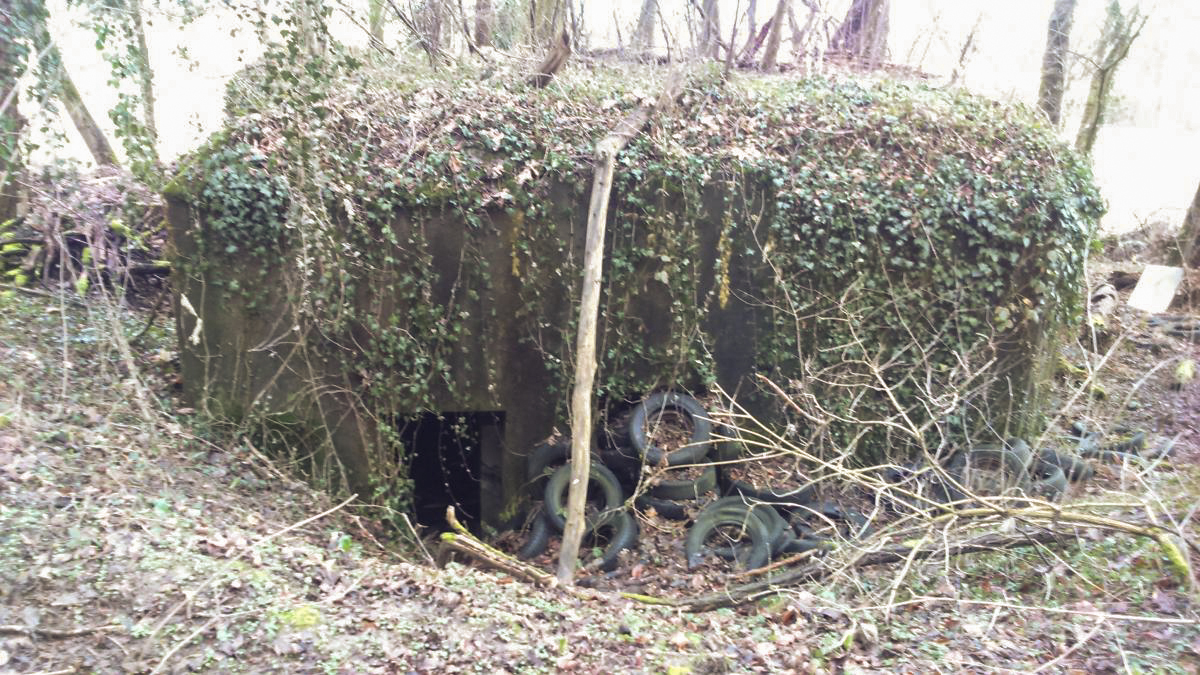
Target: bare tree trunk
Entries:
(1119, 33)
(1189, 235)
(545, 16)
(431, 22)
(589, 309)
(376, 18)
(864, 32)
(93, 136)
(485, 18)
(771, 53)
(12, 124)
(62, 87)
(752, 25)
(553, 61)
(643, 34)
(146, 76)
(1054, 61)
(310, 26)
(710, 31)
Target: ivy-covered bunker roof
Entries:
(825, 230)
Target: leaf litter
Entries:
(133, 545)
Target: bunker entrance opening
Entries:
(451, 460)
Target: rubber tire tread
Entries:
(728, 514)
(546, 455)
(686, 490)
(663, 507)
(1076, 470)
(556, 494)
(777, 526)
(781, 498)
(1047, 479)
(726, 450)
(698, 445)
(539, 537)
(803, 544)
(625, 536)
(1014, 461)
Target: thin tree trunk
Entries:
(589, 309)
(309, 26)
(1054, 61)
(146, 76)
(376, 18)
(1119, 36)
(93, 136)
(643, 34)
(1189, 235)
(771, 53)
(485, 18)
(710, 31)
(752, 24)
(864, 32)
(544, 20)
(435, 23)
(63, 88)
(12, 124)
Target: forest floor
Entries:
(135, 538)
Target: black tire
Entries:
(539, 537)
(803, 544)
(725, 449)
(1021, 449)
(546, 456)
(777, 526)
(1047, 479)
(945, 488)
(663, 507)
(625, 463)
(729, 514)
(1075, 469)
(1012, 461)
(698, 444)
(787, 499)
(624, 535)
(1132, 445)
(855, 522)
(683, 490)
(556, 495)
(1110, 456)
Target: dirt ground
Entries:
(135, 537)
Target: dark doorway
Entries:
(449, 457)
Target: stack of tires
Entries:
(549, 474)
(680, 476)
(742, 523)
(1043, 474)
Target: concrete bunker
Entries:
(416, 256)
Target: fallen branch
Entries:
(54, 633)
(1107, 616)
(818, 570)
(462, 541)
(70, 298)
